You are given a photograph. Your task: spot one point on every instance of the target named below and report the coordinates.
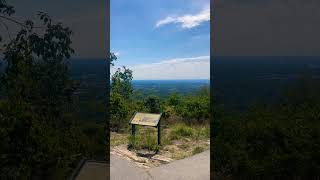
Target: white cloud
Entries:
(117, 54)
(187, 21)
(179, 68)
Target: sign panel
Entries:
(146, 119)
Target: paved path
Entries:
(121, 169)
(193, 168)
(93, 171)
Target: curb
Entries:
(77, 170)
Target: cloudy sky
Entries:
(157, 39)
(162, 39)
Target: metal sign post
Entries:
(146, 119)
(159, 139)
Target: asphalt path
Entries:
(93, 171)
(196, 167)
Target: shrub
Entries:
(268, 144)
(180, 131)
(119, 111)
(202, 132)
(194, 108)
(152, 104)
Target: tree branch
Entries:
(18, 22)
(6, 26)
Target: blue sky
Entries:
(160, 39)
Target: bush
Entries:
(152, 104)
(180, 131)
(120, 99)
(269, 143)
(119, 111)
(194, 108)
(202, 132)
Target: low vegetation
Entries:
(181, 131)
(178, 140)
(197, 150)
(276, 141)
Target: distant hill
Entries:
(92, 77)
(165, 87)
(241, 81)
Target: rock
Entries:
(162, 159)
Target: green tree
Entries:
(121, 82)
(37, 138)
(36, 70)
(119, 110)
(194, 108)
(174, 99)
(273, 141)
(152, 104)
(120, 98)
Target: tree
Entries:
(194, 107)
(121, 82)
(174, 99)
(119, 111)
(152, 103)
(120, 98)
(37, 71)
(37, 138)
(273, 141)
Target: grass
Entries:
(145, 139)
(197, 150)
(202, 132)
(180, 131)
(184, 146)
(178, 140)
(117, 139)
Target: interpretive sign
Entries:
(145, 119)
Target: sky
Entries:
(87, 19)
(266, 28)
(161, 39)
(157, 39)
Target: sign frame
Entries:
(133, 126)
(130, 122)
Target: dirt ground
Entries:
(177, 149)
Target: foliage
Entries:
(6, 11)
(181, 130)
(36, 70)
(197, 150)
(119, 110)
(152, 104)
(120, 99)
(38, 139)
(91, 138)
(111, 57)
(280, 141)
(174, 99)
(121, 82)
(144, 140)
(194, 108)
(202, 132)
